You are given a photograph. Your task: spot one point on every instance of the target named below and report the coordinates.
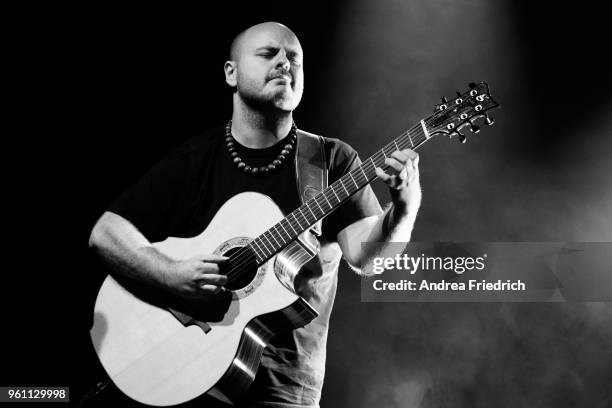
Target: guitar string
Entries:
(245, 256)
(247, 253)
(250, 254)
(420, 139)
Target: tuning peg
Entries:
(458, 135)
(472, 85)
(474, 128)
(488, 120)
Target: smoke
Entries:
(541, 173)
(470, 355)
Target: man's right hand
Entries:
(196, 277)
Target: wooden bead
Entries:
(247, 169)
(237, 159)
(241, 165)
(276, 162)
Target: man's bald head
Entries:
(258, 29)
(265, 68)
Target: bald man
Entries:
(255, 152)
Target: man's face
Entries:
(269, 71)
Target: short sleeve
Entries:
(342, 159)
(152, 203)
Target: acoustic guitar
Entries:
(162, 351)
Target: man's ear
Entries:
(230, 73)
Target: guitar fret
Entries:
(304, 217)
(342, 184)
(296, 233)
(269, 242)
(313, 214)
(318, 205)
(273, 237)
(373, 164)
(392, 149)
(334, 191)
(410, 138)
(281, 225)
(267, 248)
(258, 248)
(257, 255)
(297, 221)
(352, 178)
(328, 203)
(364, 174)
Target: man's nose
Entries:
(283, 61)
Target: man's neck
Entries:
(257, 130)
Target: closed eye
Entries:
(268, 52)
(271, 52)
(295, 58)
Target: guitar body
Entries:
(156, 359)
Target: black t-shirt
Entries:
(181, 194)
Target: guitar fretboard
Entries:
(284, 232)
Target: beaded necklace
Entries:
(254, 170)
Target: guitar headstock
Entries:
(451, 116)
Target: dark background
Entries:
(102, 93)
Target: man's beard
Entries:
(279, 100)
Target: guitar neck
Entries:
(281, 234)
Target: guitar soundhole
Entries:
(241, 267)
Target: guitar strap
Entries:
(310, 169)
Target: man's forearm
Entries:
(127, 251)
(394, 225)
